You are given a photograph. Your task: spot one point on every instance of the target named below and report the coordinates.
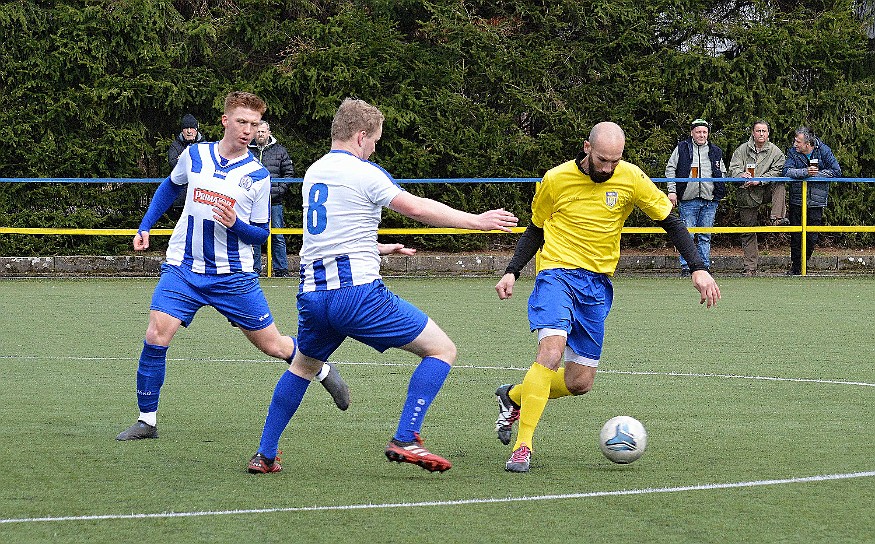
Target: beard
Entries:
(596, 176)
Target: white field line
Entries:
(460, 502)
(593, 494)
(487, 367)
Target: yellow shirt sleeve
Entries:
(649, 198)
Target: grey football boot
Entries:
(508, 414)
(336, 387)
(137, 431)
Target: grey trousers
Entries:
(750, 218)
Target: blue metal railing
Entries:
(803, 228)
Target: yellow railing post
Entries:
(804, 245)
(269, 250)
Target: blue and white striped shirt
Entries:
(344, 198)
(199, 242)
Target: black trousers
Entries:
(815, 217)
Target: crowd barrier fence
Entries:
(803, 228)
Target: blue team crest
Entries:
(611, 198)
(246, 182)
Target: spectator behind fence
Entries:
(209, 256)
(808, 158)
(696, 201)
(187, 136)
(276, 159)
(758, 158)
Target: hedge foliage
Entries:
(500, 88)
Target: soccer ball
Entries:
(623, 439)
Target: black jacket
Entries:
(178, 146)
(276, 159)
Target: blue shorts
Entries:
(237, 296)
(576, 301)
(369, 313)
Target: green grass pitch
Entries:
(760, 415)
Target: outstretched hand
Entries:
(499, 219)
(707, 287)
(388, 249)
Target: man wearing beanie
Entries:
(189, 135)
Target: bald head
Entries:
(607, 136)
(603, 150)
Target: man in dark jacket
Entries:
(276, 159)
(187, 136)
(808, 158)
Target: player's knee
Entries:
(550, 357)
(161, 328)
(274, 348)
(580, 386)
(156, 336)
(449, 352)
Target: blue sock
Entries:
(150, 376)
(287, 397)
(426, 381)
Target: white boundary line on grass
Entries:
(738, 377)
(684, 375)
(593, 494)
(460, 502)
(481, 367)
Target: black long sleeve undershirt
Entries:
(676, 230)
(526, 247)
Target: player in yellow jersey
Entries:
(578, 214)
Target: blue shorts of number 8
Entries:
(370, 313)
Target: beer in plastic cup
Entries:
(694, 171)
(813, 162)
(751, 169)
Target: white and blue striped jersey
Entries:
(199, 242)
(344, 198)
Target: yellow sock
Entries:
(558, 389)
(534, 392)
(516, 394)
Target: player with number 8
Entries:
(342, 293)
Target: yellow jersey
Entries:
(583, 220)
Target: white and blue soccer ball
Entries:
(623, 439)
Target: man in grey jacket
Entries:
(758, 158)
(695, 157)
(276, 159)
